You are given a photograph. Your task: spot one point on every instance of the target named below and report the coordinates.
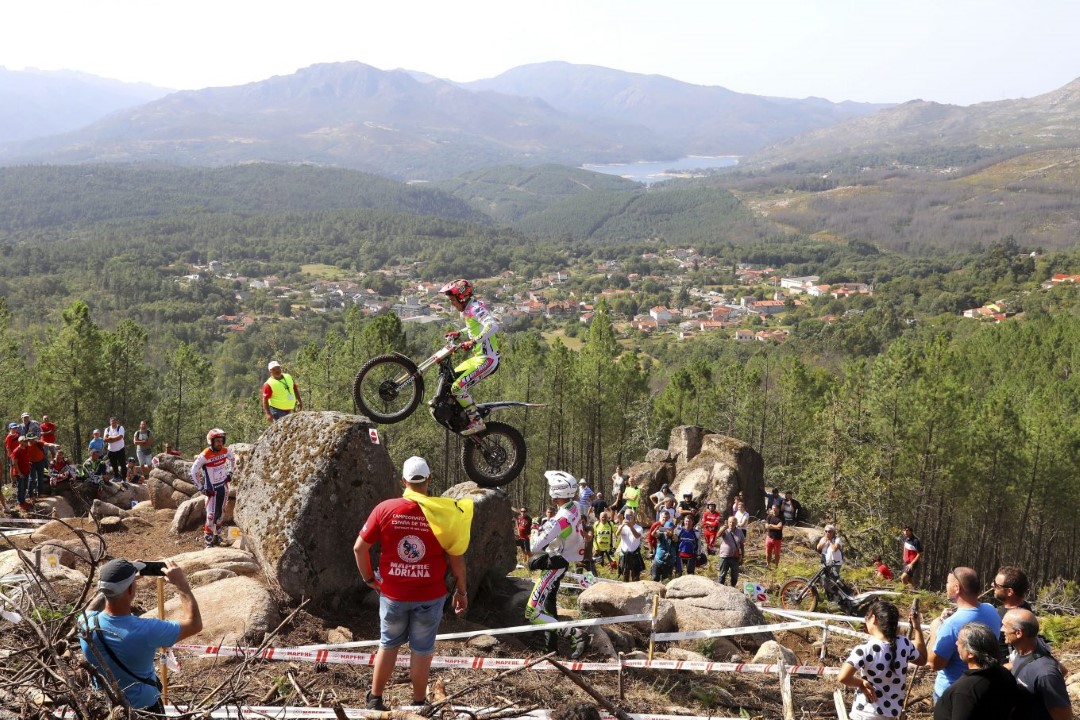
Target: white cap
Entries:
(415, 469)
(582, 481)
(273, 364)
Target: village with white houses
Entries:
(750, 309)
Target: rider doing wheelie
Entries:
(482, 329)
(560, 543)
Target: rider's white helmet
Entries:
(561, 485)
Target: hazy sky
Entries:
(957, 51)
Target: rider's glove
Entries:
(467, 345)
(209, 491)
(452, 335)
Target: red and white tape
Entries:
(331, 657)
(271, 712)
(589, 622)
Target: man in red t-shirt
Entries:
(523, 524)
(411, 579)
(48, 429)
(710, 526)
(20, 468)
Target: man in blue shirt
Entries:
(126, 645)
(962, 587)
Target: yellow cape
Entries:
(450, 519)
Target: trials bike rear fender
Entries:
(487, 408)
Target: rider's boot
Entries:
(476, 423)
(579, 643)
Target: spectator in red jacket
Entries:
(20, 467)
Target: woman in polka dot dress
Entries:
(878, 668)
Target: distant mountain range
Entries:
(35, 103)
(356, 116)
(932, 134)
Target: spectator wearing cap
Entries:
(280, 394)
(28, 427)
(125, 645)
(585, 496)
(20, 467)
(96, 443)
(663, 566)
(11, 441)
(523, 528)
(420, 536)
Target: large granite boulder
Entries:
(235, 611)
(684, 444)
(308, 486)
(611, 599)
(167, 488)
(492, 552)
(72, 552)
(235, 561)
(723, 467)
(702, 604)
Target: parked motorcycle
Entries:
(389, 388)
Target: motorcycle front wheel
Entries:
(386, 389)
(798, 594)
(495, 456)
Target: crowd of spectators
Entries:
(37, 465)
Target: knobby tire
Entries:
(378, 393)
(798, 594)
(495, 456)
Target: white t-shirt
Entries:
(627, 541)
(833, 556)
(114, 437)
(872, 661)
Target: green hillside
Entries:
(680, 212)
(509, 193)
(46, 196)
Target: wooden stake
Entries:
(785, 692)
(841, 706)
(592, 692)
(621, 695)
(907, 694)
(163, 667)
(655, 609)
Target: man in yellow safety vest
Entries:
(280, 395)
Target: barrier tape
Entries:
(21, 521)
(728, 632)
(234, 712)
(842, 618)
(486, 663)
(496, 631)
(839, 629)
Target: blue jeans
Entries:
(417, 622)
(278, 414)
(21, 482)
(38, 477)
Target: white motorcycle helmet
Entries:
(561, 485)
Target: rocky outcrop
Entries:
(772, 652)
(168, 490)
(73, 552)
(611, 599)
(190, 515)
(236, 610)
(235, 561)
(492, 553)
(708, 465)
(308, 486)
(723, 467)
(702, 604)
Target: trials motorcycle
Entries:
(388, 389)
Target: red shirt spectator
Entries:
(882, 568)
(524, 526)
(412, 562)
(36, 451)
(48, 430)
(20, 459)
(11, 441)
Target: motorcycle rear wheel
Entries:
(385, 389)
(495, 456)
(798, 594)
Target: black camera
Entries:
(151, 568)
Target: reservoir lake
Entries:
(653, 171)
